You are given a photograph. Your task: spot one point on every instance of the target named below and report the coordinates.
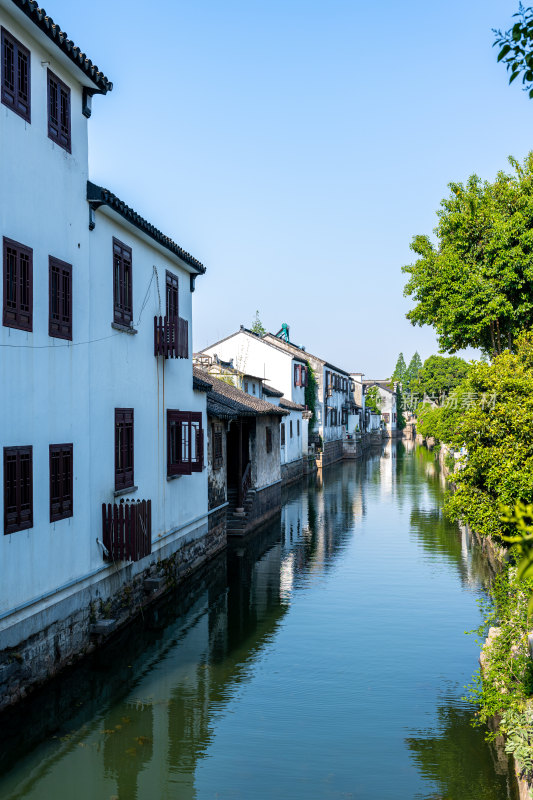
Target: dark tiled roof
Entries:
(229, 397)
(271, 392)
(98, 196)
(46, 24)
(286, 403)
(382, 384)
(200, 385)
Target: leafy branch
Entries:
(516, 48)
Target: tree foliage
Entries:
(257, 326)
(373, 399)
(490, 414)
(516, 48)
(311, 394)
(413, 370)
(475, 286)
(400, 419)
(400, 370)
(439, 376)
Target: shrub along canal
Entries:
(325, 657)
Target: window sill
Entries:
(127, 490)
(124, 328)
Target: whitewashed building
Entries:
(387, 404)
(96, 390)
(283, 378)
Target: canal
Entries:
(324, 658)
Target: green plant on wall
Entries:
(311, 394)
(373, 399)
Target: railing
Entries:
(171, 337)
(127, 530)
(246, 481)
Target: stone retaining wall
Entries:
(40, 646)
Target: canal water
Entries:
(324, 658)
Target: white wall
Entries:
(53, 391)
(294, 446)
(44, 396)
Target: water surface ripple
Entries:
(322, 659)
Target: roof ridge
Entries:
(47, 25)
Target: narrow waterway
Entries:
(325, 658)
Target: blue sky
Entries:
(296, 148)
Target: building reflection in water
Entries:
(150, 704)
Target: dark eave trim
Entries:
(47, 25)
(98, 196)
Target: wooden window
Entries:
(304, 376)
(246, 386)
(122, 283)
(58, 112)
(60, 294)
(61, 505)
(297, 427)
(18, 489)
(344, 418)
(282, 434)
(268, 438)
(290, 428)
(297, 375)
(218, 456)
(16, 78)
(185, 442)
(18, 285)
(123, 448)
(172, 295)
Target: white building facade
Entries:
(284, 379)
(96, 388)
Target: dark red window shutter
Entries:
(60, 299)
(178, 442)
(172, 287)
(268, 439)
(197, 442)
(124, 448)
(122, 283)
(59, 112)
(18, 489)
(15, 76)
(18, 285)
(61, 469)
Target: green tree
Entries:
(440, 375)
(399, 370)
(373, 399)
(490, 414)
(413, 370)
(257, 326)
(475, 286)
(516, 48)
(400, 419)
(311, 394)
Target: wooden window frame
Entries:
(268, 438)
(282, 434)
(59, 111)
(218, 445)
(60, 317)
(297, 427)
(124, 448)
(19, 519)
(180, 427)
(290, 429)
(16, 313)
(61, 499)
(122, 283)
(172, 295)
(12, 94)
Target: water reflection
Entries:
(270, 675)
